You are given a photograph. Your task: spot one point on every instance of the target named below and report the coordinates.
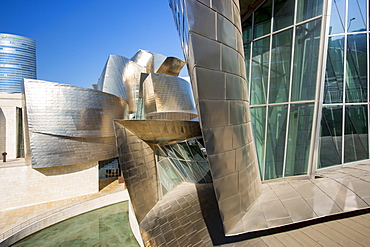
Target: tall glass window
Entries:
(306, 57)
(331, 136)
(258, 115)
(333, 91)
(275, 143)
(344, 125)
(298, 146)
(260, 69)
(282, 67)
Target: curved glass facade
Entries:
(17, 61)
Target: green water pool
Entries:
(108, 226)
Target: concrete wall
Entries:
(8, 123)
(21, 185)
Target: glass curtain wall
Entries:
(344, 125)
(281, 45)
(182, 162)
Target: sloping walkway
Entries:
(16, 220)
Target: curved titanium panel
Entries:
(159, 131)
(171, 66)
(185, 116)
(121, 77)
(165, 93)
(68, 124)
(150, 60)
(213, 47)
(136, 159)
(111, 80)
(177, 219)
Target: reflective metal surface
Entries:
(137, 162)
(171, 66)
(165, 93)
(68, 124)
(150, 60)
(213, 48)
(121, 77)
(161, 130)
(177, 219)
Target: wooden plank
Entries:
(319, 237)
(271, 241)
(286, 239)
(302, 238)
(335, 235)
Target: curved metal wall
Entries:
(70, 125)
(165, 93)
(17, 61)
(212, 43)
(121, 77)
(136, 159)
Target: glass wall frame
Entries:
(346, 81)
(291, 24)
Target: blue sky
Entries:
(75, 37)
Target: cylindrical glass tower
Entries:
(17, 61)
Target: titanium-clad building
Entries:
(17, 61)
(306, 73)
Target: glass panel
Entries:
(334, 71)
(247, 52)
(338, 9)
(262, 19)
(197, 172)
(356, 16)
(169, 152)
(183, 169)
(260, 61)
(331, 136)
(195, 150)
(258, 116)
(185, 151)
(305, 60)
(356, 133)
(276, 130)
(283, 13)
(308, 9)
(280, 66)
(356, 74)
(299, 139)
(247, 30)
(159, 153)
(168, 175)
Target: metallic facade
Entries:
(17, 61)
(121, 77)
(167, 94)
(199, 183)
(69, 125)
(212, 43)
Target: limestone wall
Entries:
(8, 123)
(21, 185)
